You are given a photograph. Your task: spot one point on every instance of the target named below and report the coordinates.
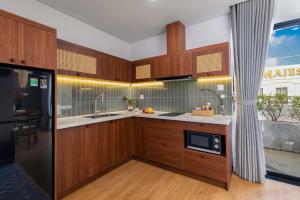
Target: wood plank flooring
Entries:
(139, 181)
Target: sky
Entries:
(284, 48)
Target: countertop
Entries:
(187, 117)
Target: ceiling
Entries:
(134, 20)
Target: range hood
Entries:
(175, 45)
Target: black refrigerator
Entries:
(26, 124)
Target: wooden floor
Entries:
(140, 181)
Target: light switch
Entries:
(220, 87)
(142, 96)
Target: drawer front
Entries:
(206, 165)
(206, 128)
(166, 147)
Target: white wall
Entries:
(202, 34)
(287, 10)
(68, 28)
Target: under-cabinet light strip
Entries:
(216, 78)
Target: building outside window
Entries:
(261, 91)
(282, 90)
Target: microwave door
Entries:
(199, 141)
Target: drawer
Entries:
(166, 147)
(206, 128)
(206, 165)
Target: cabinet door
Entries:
(105, 146)
(36, 47)
(50, 50)
(143, 70)
(69, 158)
(104, 69)
(181, 64)
(161, 67)
(138, 138)
(122, 129)
(122, 70)
(89, 151)
(211, 61)
(164, 143)
(8, 40)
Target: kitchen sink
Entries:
(101, 116)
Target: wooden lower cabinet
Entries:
(121, 140)
(164, 143)
(76, 157)
(86, 151)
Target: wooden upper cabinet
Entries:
(211, 60)
(8, 39)
(162, 67)
(121, 69)
(36, 46)
(25, 42)
(142, 70)
(181, 64)
(76, 60)
(104, 69)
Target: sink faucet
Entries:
(101, 96)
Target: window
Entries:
(279, 115)
(282, 90)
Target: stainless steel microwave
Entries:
(205, 142)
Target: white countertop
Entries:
(188, 117)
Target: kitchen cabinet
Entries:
(162, 67)
(120, 69)
(205, 164)
(77, 156)
(173, 65)
(138, 139)
(27, 43)
(181, 64)
(164, 143)
(121, 140)
(142, 70)
(76, 60)
(36, 46)
(8, 39)
(211, 60)
(87, 151)
(105, 146)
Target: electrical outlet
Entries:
(142, 97)
(220, 87)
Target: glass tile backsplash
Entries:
(78, 98)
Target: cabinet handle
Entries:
(12, 60)
(87, 126)
(23, 61)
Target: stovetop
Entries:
(171, 114)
